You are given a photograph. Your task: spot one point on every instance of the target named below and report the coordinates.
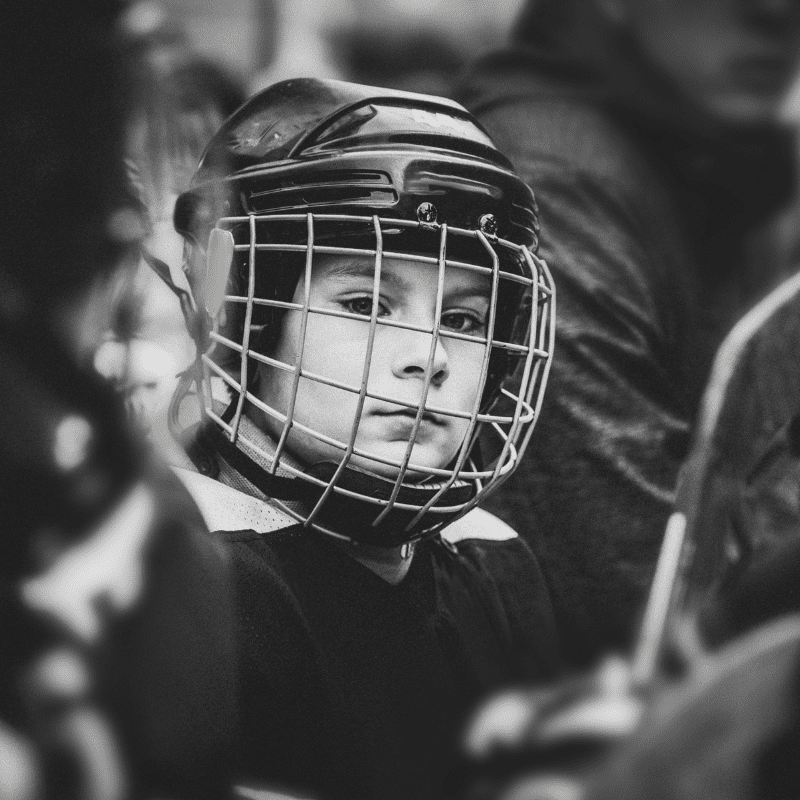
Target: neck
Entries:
(390, 563)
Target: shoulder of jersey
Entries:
(227, 509)
(478, 524)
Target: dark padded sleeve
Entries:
(514, 572)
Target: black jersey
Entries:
(354, 687)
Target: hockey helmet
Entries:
(313, 169)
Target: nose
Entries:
(412, 354)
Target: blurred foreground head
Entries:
(67, 223)
(731, 59)
(66, 220)
(108, 690)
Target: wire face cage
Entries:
(399, 364)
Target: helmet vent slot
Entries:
(305, 197)
(324, 178)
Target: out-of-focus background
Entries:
(415, 44)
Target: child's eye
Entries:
(362, 306)
(463, 322)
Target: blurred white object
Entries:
(302, 44)
(147, 372)
(600, 706)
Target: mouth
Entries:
(410, 414)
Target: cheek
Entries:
(330, 348)
(464, 385)
(275, 385)
(336, 352)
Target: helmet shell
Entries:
(334, 147)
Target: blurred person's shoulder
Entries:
(544, 119)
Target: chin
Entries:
(396, 451)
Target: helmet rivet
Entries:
(426, 212)
(488, 224)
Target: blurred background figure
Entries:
(302, 41)
(706, 704)
(410, 44)
(650, 132)
(177, 100)
(115, 666)
(403, 44)
(422, 46)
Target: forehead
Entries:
(401, 274)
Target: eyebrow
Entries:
(359, 268)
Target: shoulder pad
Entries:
(227, 509)
(478, 524)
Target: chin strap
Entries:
(198, 322)
(391, 531)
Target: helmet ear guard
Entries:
(219, 259)
(257, 269)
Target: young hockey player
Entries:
(364, 287)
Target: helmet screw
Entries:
(488, 224)
(426, 212)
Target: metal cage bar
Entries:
(373, 319)
(300, 344)
(251, 285)
(547, 326)
(468, 443)
(426, 385)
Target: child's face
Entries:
(336, 348)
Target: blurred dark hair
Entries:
(178, 101)
(416, 60)
(564, 25)
(68, 218)
(60, 151)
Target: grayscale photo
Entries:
(401, 400)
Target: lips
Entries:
(411, 414)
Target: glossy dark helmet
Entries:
(310, 171)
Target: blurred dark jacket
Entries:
(646, 206)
